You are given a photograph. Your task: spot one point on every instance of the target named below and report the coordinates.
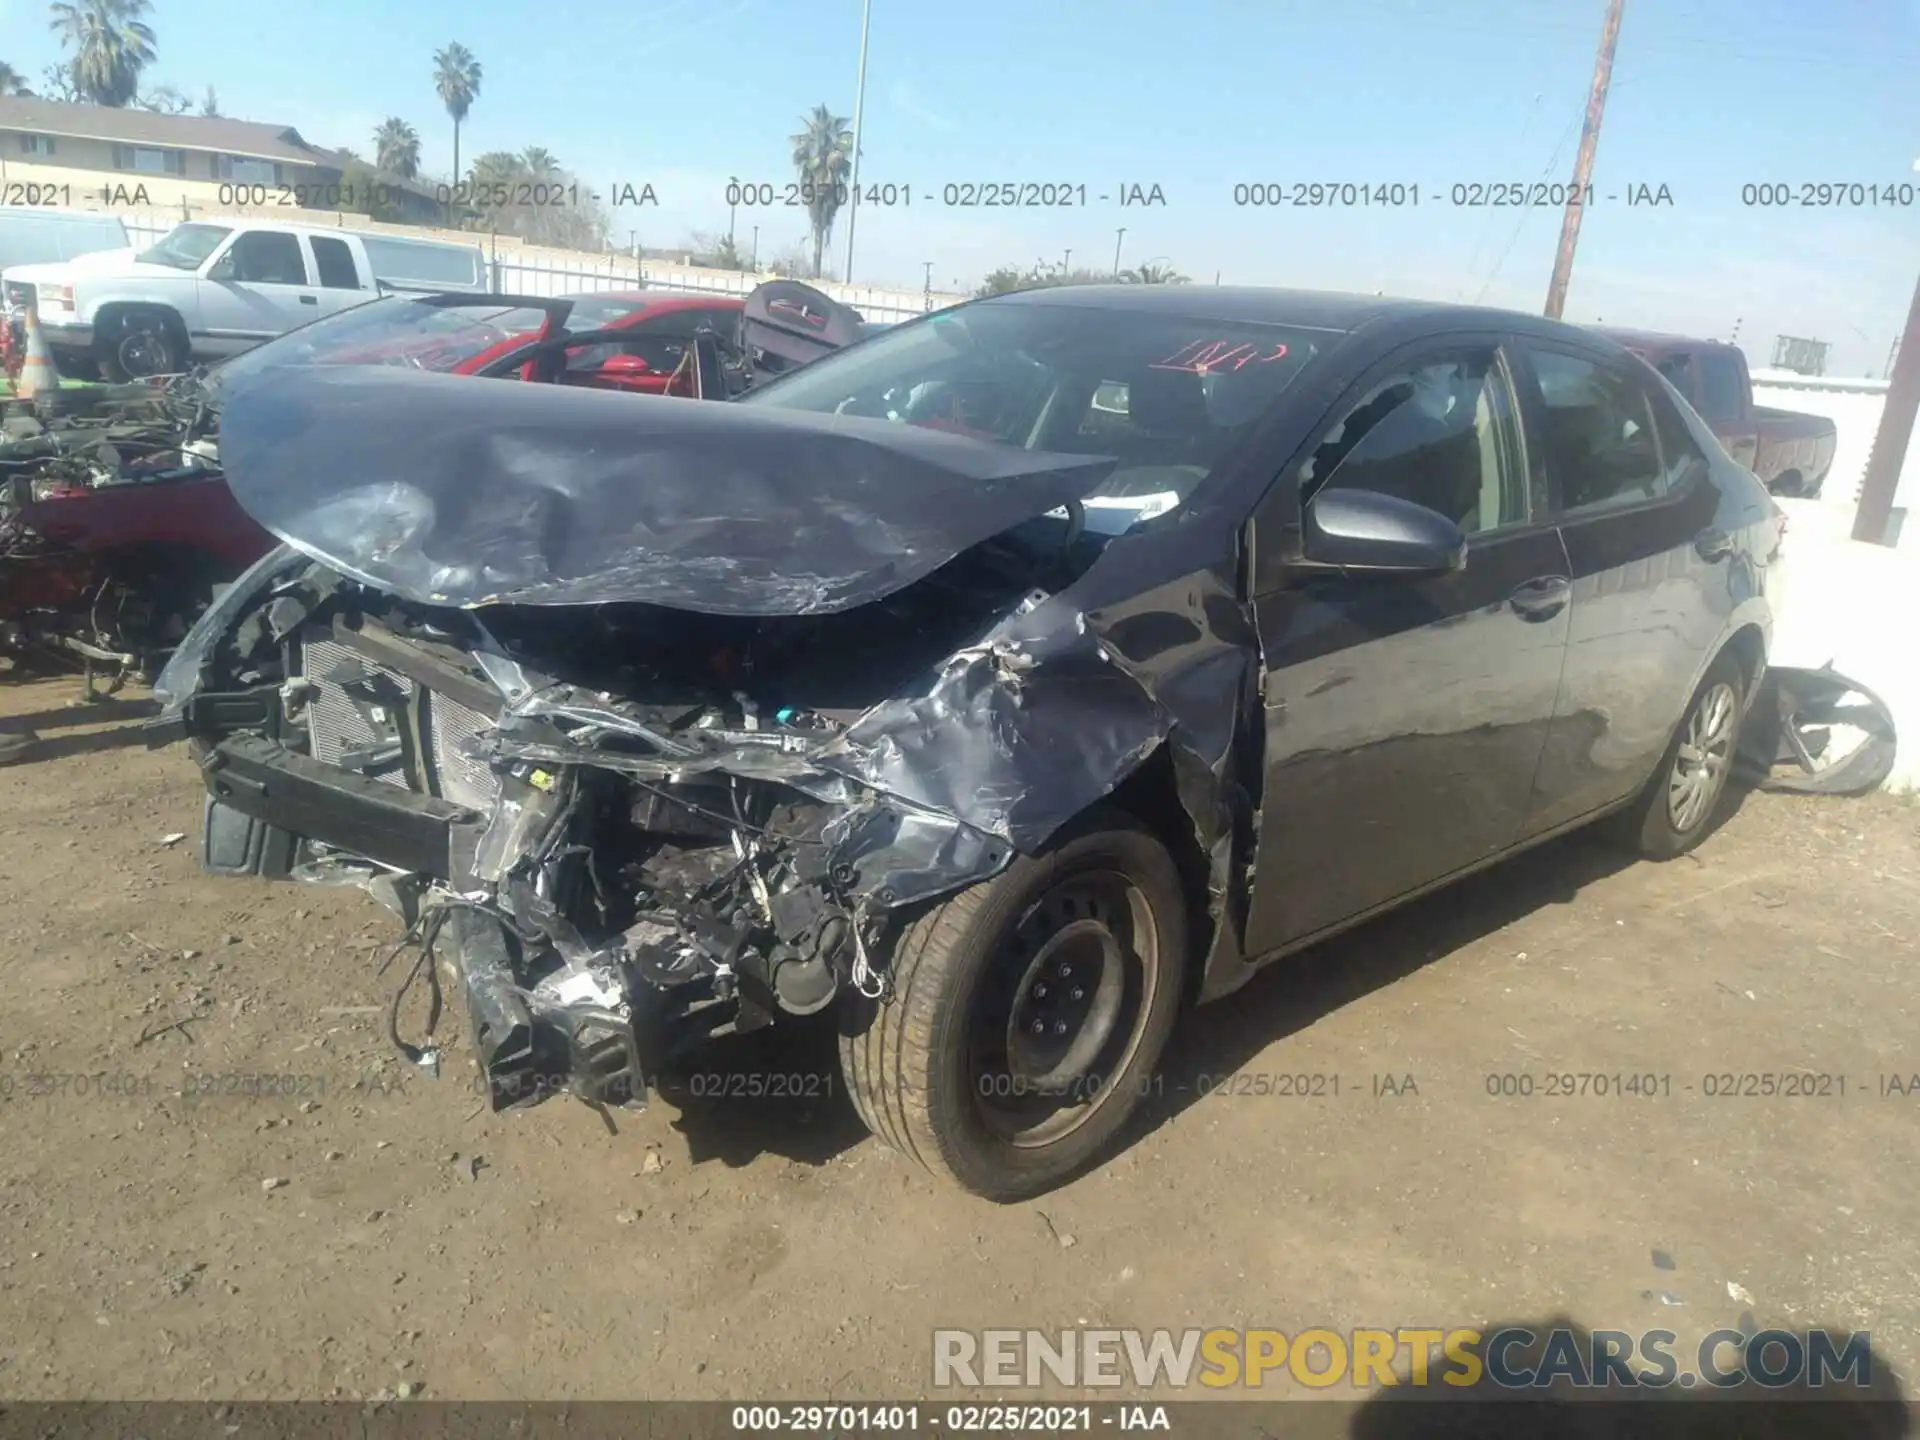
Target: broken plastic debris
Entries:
(173, 837)
(1737, 1291)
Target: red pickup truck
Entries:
(1791, 453)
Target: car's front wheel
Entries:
(1027, 1013)
(143, 345)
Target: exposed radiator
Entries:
(357, 715)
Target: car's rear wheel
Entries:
(1675, 811)
(1027, 1014)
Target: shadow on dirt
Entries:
(775, 1091)
(779, 1090)
(1293, 993)
(23, 741)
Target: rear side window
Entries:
(403, 260)
(335, 261)
(1722, 397)
(1599, 435)
(1681, 457)
(1679, 372)
(1438, 434)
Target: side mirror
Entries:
(1366, 530)
(625, 365)
(223, 268)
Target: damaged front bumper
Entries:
(600, 895)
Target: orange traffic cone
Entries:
(37, 373)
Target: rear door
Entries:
(1405, 714)
(341, 283)
(1634, 501)
(1725, 401)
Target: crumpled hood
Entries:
(458, 491)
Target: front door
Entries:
(257, 289)
(1406, 714)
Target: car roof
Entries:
(294, 227)
(1309, 309)
(1656, 339)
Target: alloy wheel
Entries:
(1705, 756)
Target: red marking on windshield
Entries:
(1204, 357)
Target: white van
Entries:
(213, 288)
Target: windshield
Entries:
(185, 247)
(396, 330)
(1166, 395)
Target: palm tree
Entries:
(111, 44)
(539, 162)
(496, 167)
(456, 76)
(823, 154)
(396, 147)
(12, 82)
(210, 106)
(1152, 274)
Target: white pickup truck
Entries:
(213, 288)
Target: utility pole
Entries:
(1583, 164)
(733, 202)
(1118, 236)
(1896, 430)
(859, 104)
(1066, 265)
(755, 262)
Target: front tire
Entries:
(142, 345)
(1675, 811)
(1027, 1014)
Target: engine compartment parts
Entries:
(115, 525)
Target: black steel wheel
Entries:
(1027, 1013)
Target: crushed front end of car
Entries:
(649, 719)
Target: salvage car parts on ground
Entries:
(1815, 732)
(923, 684)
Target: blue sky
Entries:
(1194, 96)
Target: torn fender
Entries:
(450, 492)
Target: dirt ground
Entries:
(751, 1248)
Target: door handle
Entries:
(309, 300)
(1541, 598)
(1713, 544)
